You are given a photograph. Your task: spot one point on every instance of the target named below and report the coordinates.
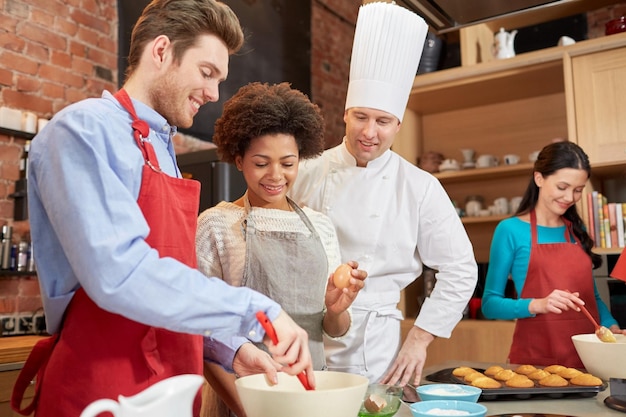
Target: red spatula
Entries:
(602, 332)
(269, 329)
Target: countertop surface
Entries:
(579, 407)
(16, 348)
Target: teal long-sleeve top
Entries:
(509, 256)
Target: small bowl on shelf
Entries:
(456, 392)
(447, 408)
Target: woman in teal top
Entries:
(546, 251)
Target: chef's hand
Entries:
(250, 360)
(556, 302)
(410, 360)
(292, 350)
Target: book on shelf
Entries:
(606, 221)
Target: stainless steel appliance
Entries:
(220, 181)
(449, 15)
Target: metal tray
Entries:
(504, 393)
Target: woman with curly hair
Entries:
(546, 251)
(264, 240)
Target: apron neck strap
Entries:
(569, 233)
(141, 130)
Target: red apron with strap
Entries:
(98, 354)
(546, 338)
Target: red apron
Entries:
(99, 354)
(546, 338)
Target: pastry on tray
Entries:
(492, 370)
(520, 381)
(525, 369)
(505, 374)
(569, 373)
(486, 382)
(461, 371)
(472, 376)
(586, 380)
(553, 380)
(554, 369)
(538, 374)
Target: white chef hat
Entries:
(387, 47)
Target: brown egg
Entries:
(342, 276)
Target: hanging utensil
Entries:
(602, 332)
(269, 329)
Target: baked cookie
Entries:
(472, 376)
(586, 380)
(538, 374)
(461, 371)
(554, 369)
(504, 375)
(492, 370)
(569, 373)
(486, 382)
(553, 380)
(520, 381)
(525, 369)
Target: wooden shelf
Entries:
(482, 219)
(476, 174)
(608, 251)
(526, 75)
(6, 273)
(17, 133)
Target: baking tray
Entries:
(504, 393)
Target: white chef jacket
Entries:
(392, 218)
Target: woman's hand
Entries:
(338, 300)
(292, 350)
(337, 319)
(556, 302)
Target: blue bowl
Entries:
(447, 408)
(457, 392)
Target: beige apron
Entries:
(290, 268)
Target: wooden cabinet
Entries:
(472, 340)
(516, 106)
(599, 97)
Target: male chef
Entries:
(391, 216)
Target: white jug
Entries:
(503, 44)
(171, 397)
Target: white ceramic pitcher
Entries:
(503, 44)
(171, 397)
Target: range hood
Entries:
(449, 15)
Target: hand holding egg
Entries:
(342, 275)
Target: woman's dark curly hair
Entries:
(552, 158)
(259, 109)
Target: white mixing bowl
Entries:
(604, 360)
(337, 394)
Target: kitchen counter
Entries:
(579, 407)
(17, 348)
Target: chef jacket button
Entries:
(375, 215)
(207, 333)
(333, 171)
(385, 177)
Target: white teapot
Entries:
(503, 44)
(171, 397)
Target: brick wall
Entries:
(53, 53)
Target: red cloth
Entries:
(619, 270)
(99, 354)
(546, 338)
